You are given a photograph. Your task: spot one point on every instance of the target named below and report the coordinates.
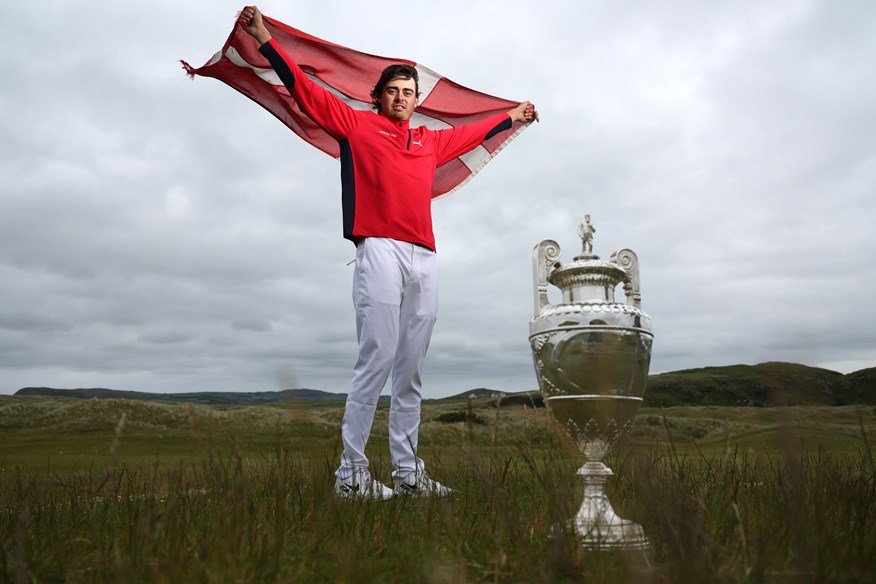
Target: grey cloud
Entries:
(169, 235)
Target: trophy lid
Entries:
(587, 277)
(587, 271)
(587, 280)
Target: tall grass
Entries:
(736, 517)
(249, 506)
(758, 517)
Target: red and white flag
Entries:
(351, 75)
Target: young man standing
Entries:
(387, 171)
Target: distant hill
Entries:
(766, 384)
(203, 397)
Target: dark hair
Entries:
(397, 71)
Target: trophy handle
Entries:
(629, 262)
(545, 256)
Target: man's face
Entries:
(399, 99)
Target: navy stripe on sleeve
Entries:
(505, 125)
(279, 65)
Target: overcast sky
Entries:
(166, 235)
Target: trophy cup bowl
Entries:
(591, 357)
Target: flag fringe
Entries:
(190, 71)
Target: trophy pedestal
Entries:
(596, 524)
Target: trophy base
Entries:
(621, 534)
(596, 524)
(617, 535)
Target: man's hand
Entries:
(250, 20)
(525, 112)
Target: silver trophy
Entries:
(591, 357)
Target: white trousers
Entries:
(395, 294)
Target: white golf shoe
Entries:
(361, 486)
(420, 485)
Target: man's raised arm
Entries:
(330, 113)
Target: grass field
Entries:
(112, 490)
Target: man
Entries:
(387, 171)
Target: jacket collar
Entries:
(402, 126)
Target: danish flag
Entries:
(350, 75)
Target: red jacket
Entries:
(387, 167)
